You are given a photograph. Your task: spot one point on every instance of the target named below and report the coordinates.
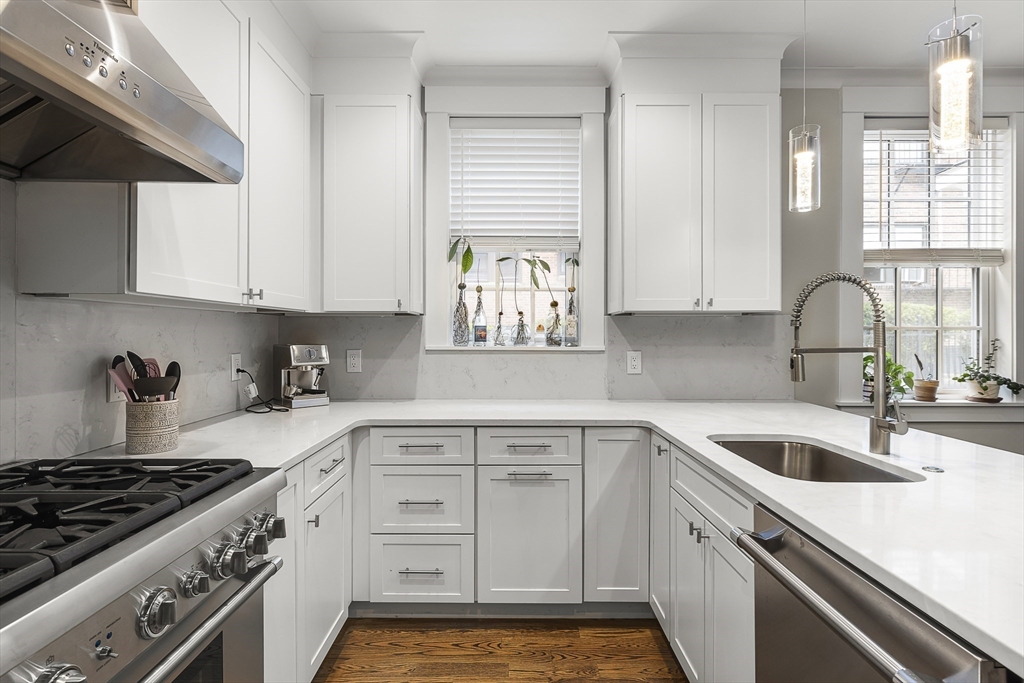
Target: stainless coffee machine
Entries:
(298, 369)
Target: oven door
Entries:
(217, 643)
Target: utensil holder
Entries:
(151, 427)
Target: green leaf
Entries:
(544, 265)
(452, 250)
(533, 276)
(532, 262)
(504, 258)
(467, 259)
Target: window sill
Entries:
(952, 409)
(517, 349)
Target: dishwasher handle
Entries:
(751, 544)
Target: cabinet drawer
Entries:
(325, 467)
(723, 505)
(530, 445)
(421, 499)
(421, 446)
(421, 568)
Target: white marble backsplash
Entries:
(55, 353)
(698, 357)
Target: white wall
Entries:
(54, 354)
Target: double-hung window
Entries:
(934, 226)
(515, 200)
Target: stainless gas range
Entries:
(135, 569)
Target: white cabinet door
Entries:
(327, 543)
(616, 488)
(661, 582)
(687, 634)
(190, 240)
(742, 223)
(278, 154)
(367, 188)
(729, 612)
(282, 593)
(530, 534)
(661, 221)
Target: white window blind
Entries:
(515, 183)
(921, 208)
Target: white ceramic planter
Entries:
(976, 390)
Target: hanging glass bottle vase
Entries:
(572, 320)
(499, 333)
(479, 320)
(553, 328)
(521, 332)
(460, 326)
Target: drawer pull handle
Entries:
(513, 446)
(434, 572)
(700, 532)
(515, 473)
(436, 501)
(334, 463)
(315, 521)
(661, 450)
(421, 445)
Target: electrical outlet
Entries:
(236, 365)
(354, 360)
(114, 395)
(634, 366)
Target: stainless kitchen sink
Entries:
(798, 460)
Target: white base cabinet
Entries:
(660, 538)
(282, 593)
(530, 534)
(421, 568)
(616, 501)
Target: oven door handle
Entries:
(751, 545)
(181, 654)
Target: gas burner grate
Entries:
(21, 569)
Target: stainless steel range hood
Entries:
(87, 93)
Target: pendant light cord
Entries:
(804, 41)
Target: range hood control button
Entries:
(87, 60)
(103, 71)
(70, 49)
(123, 83)
(135, 91)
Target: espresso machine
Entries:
(298, 369)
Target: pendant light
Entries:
(805, 152)
(954, 84)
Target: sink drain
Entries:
(929, 468)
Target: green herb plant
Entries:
(898, 377)
(983, 372)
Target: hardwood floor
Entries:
(478, 650)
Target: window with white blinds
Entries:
(515, 183)
(922, 208)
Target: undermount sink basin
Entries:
(798, 460)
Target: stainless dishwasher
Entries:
(818, 620)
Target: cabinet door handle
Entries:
(254, 295)
(515, 473)
(701, 536)
(421, 445)
(315, 521)
(514, 446)
(436, 501)
(334, 463)
(438, 571)
(661, 450)
(696, 304)
(711, 302)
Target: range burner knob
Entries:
(272, 524)
(62, 673)
(195, 583)
(159, 610)
(255, 541)
(229, 560)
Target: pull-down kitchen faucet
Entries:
(881, 426)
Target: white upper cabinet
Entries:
(741, 206)
(694, 203)
(372, 217)
(278, 156)
(190, 240)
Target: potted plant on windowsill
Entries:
(899, 379)
(982, 379)
(924, 389)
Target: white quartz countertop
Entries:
(951, 544)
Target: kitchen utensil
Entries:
(152, 367)
(117, 361)
(119, 382)
(153, 387)
(138, 365)
(173, 370)
(121, 371)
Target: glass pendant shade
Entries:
(805, 168)
(954, 51)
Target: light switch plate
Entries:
(634, 365)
